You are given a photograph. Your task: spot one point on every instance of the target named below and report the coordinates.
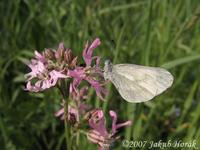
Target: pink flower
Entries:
(73, 115)
(88, 50)
(103, 143)
(80, 74)
(44, 77)
(97, 122)
(40, 57)
(99, 133)
(76, 108)
(116, 126)
(101, 92)
(78, 95)
(92, 74)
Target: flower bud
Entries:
(72, 119)
(68, 56)
(73, 63)
(49, 54)
(60, 52)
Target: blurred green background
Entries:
(147, 32)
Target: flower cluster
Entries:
(99, 134)
(48, 67)
(60, 68)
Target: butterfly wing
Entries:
(140, 83)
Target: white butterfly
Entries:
(137, 83)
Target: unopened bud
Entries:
(72, 119)
(68, 56)
(73, 63)
(60, 51)
(49, 54)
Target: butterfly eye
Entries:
(107, 62)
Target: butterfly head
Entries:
(107, 70)
(108, 62)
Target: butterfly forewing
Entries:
(139, 83)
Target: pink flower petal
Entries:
(97, 122)
(127, 123)
(87, 52)
(59, 112)
(40, 57)
(116, 126)
(100, 91)
(79, 72)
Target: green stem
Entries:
(67, 127)
(82, 132)
(3, 130)
(65, 96)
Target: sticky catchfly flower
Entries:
(44, 77)
(91, 73)
(99, 134)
